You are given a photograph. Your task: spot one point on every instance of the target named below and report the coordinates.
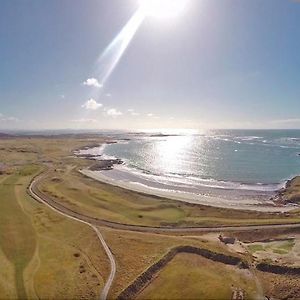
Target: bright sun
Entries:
(163, 8)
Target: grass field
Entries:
(281, 247)
(17, 235)
(144, 249)
(103, 201)
(190, 276)
(42, 254)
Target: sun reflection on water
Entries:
(168, 154)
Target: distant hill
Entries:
(5, 135)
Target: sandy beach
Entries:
(245, 200)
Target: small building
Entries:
(226, 240)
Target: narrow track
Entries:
(108, 284)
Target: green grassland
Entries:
(189, 276)
(17, 235)
(67, 186)
(279, 247)
(43, 255)
(49, 255)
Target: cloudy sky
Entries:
(219, 64)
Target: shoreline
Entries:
(113, 171)
(95, 152)
(213, 201)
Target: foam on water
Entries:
(241, 160)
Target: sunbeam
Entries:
(111, 56)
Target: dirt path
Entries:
(112, 274)
(44, 200)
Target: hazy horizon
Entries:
(164, 131)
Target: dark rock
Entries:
(106, 164)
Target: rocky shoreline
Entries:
(290, 194)
(106, 164)
(101, 164)
(287, 196)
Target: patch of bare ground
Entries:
(280, 286)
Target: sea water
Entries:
(260, 160)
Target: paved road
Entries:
(111, 277)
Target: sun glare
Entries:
(163, 8)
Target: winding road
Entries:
(94, 222)
(107, 286)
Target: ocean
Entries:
(257, 159)
(236, 165)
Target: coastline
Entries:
(112, 171)
(263, 206)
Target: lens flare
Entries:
(163, 8)
(111, 56)
(115, 50)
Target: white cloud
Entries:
(132, 112)
(62, 96)
(108, 95)
(92, 82)
(286, 121)
(4, 118)
(91, 104)
(150, 115)
(83, 120)
(113, 112)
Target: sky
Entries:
(218, 64)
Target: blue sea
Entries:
(260, 160)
